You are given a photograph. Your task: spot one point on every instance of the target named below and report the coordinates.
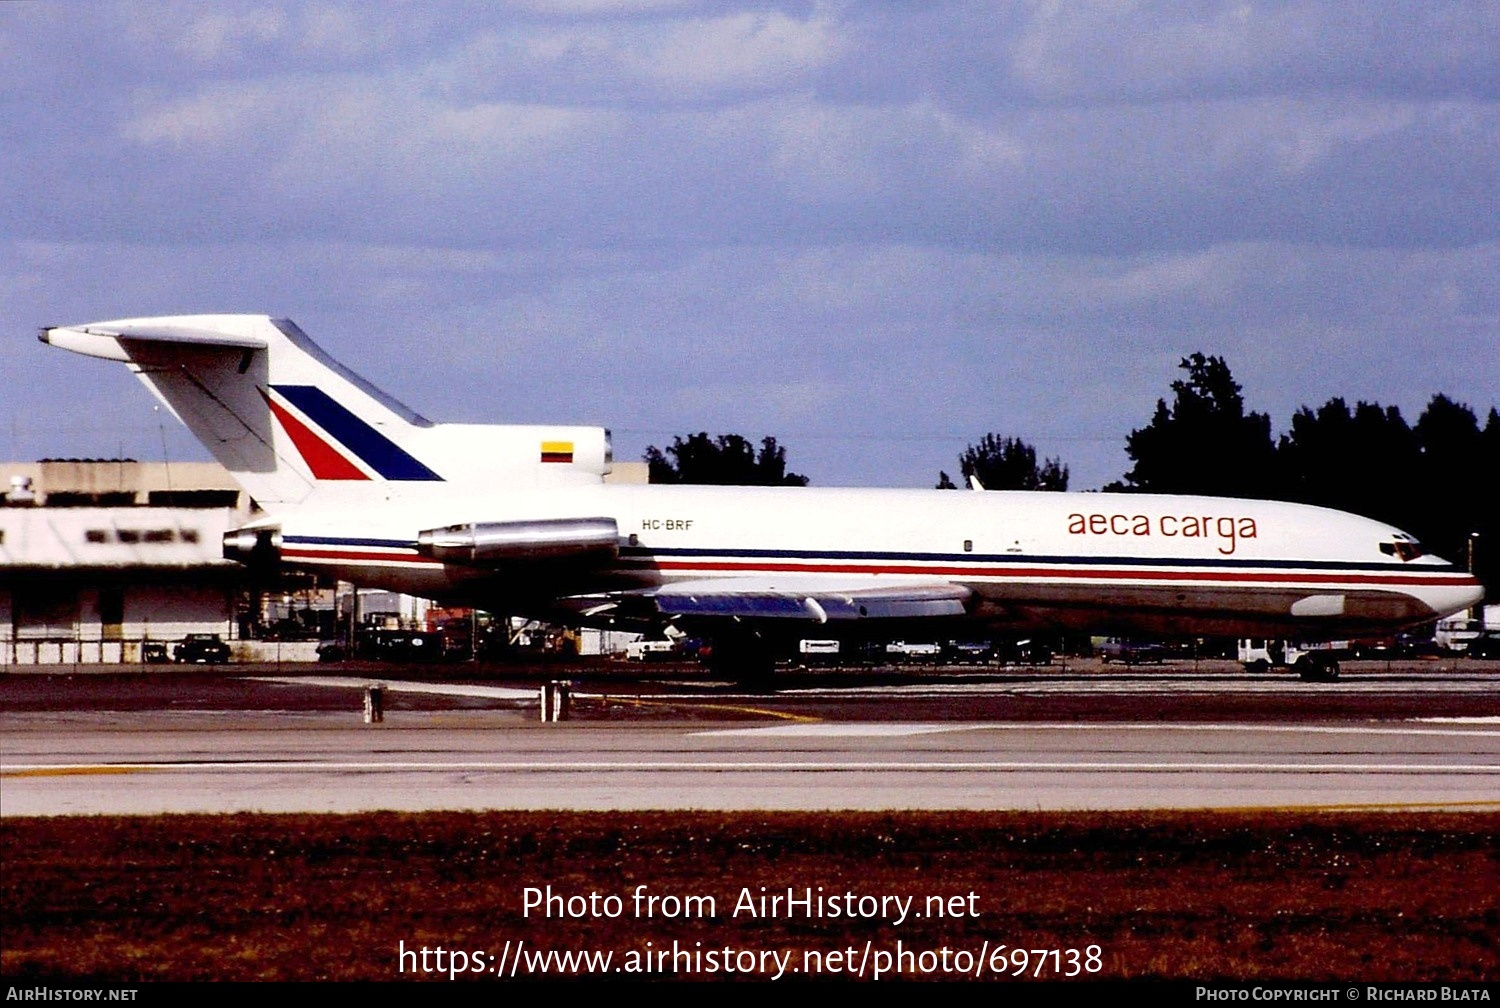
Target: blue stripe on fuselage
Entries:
(375, 449)
(644, 553)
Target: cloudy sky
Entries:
(875, 231)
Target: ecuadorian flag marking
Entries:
(557, 451)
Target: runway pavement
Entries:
(1179, 738)
(1163, 738)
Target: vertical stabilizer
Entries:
(276, 411)
(288, 421)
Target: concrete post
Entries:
(374, 704)
(555, 701)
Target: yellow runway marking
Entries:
(734, 708)
(1477, 805)
(71, 771)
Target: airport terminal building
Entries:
(99, 558)
(107, 560)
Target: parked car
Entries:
(961, 652)
(1417, 645)
(1486, 645)
(155, 653)
(1025, 651)
(200, 648)
(332, 651)
(1132, 652)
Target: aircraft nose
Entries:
(1458, 598)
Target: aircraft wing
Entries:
(815, 600)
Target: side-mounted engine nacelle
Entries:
(253, 546)
(488, 544)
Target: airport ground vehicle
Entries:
(1454, 633)
(1312, 661)
(519, 519)
(385, 644)
(819, 652)
(650, 650)
(914, 652)
(201, 648)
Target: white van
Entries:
(819, 652)
(650, 650)
(1454, 633)
(913, 651)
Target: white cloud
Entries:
(1291, 137)
(873, 231)
(646, 60)
(836, 153)
(210, 36)
(220, 116)
(1202, 278)
(746, 51)
(1105, 52)
(338, 32)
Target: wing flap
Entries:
(818, 602)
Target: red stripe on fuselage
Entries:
(324, 461)
(318, 555)
(1435, 580)
(1054, 573)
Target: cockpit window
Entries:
(1401, 546)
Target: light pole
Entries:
(1478, 610)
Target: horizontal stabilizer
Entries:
(294, 427)
(104, 340)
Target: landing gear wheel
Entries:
(748, 660)
(1317, 668)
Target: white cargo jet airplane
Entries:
(518, 520)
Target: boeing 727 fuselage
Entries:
(519, 520)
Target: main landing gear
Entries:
(1317, 667)
(745, 657)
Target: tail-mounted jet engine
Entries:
(488, 544)
(254, 547)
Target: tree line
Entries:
(1437, 478)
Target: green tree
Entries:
(1205, 442)
(1434, 479)
(1356, 461)
(726, 460)
(1006, 463)
(1458, 493)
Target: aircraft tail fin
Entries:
(287, 420)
